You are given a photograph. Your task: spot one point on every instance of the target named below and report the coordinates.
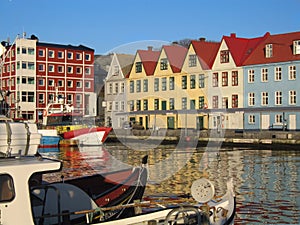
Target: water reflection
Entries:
(267, 182)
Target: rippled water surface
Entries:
(267, 182)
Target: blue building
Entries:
(272, 83)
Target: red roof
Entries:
(282, 47)
(241, 48)
(206, 52)
(176, 55)
(149, 60)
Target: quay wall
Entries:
(233, 137)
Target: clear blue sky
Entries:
(104, 25)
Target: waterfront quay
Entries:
(202, 137)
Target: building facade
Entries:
(39, 73)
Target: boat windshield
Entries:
(63, 119)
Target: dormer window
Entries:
(164, 64)
(224, 56)
(269, 50)
(296, 47)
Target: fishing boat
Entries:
(26, 199)
(72, 128)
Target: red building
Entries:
(38, 73)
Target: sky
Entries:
(122, 25)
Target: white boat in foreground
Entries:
(24, 200)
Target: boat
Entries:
(72, 127)
(23, 190)
(26, 199)
(18, 137)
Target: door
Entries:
(199, 121)
(292, 122)
(164, 105)
(171, 122)
(265, 122)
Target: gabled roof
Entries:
(176, 55)
(282, 47)
(241, 48)
(206, 52)
(125, 61)
(149, 60)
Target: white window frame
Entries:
(292, 97)
(292, 72)
(278, 97)
(264, 75)
(251, 99)
(278, 73)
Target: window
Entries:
(70, 55)
(51, 83)
(70, 83)
(30, 80)
(145, 104)
(264, 75)
(27, 96)
(41, 82)
(265, 98)
(51, 68)
(278, 98)
(110, 88)
(30, 51)
(251, 99)
(192, 104)
(110, 106)
(296, 47)
(138, 86)
(145, 85)
(78, 56)
(184, 82)
(87, 57)
(131, 105)
(122, 87)
(224, 79)
(215, 102)
(171, 83)
(70, 69)
(234, 78)
(251, 76)
(224, 56)
(41, 98)
(235, 101)
(172, 103)
(122, 105)
(225, 103)
(192, 60)
(60, 54)
(78, 70)
(116, 106)
(138, 105)
(78, 99)
(7, 191)
(164, 64)
(156, 84)
(292, 97)
(87, 71)
(164, 84)
(24, 50)
(251, 119)
(60, 83)
(278, 118)
(31, 65)
(116, 71)
(278, 74)
(201, 81)
(78, 84)
(24, 65)
(193, 81)
(131, 88)
(156, 104)
(116, 88)
(184, 103)
(269, 50)
(215, 80)
(292, 72)
(41, 53)
(201, 102)
(51, 54)
(69, 98)
(41, 67)
(138, 67)
(60, 69)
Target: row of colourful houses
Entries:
(237, 83)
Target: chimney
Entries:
(150, 48)
(202, 39)
(233, 35)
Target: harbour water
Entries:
(267, 181)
